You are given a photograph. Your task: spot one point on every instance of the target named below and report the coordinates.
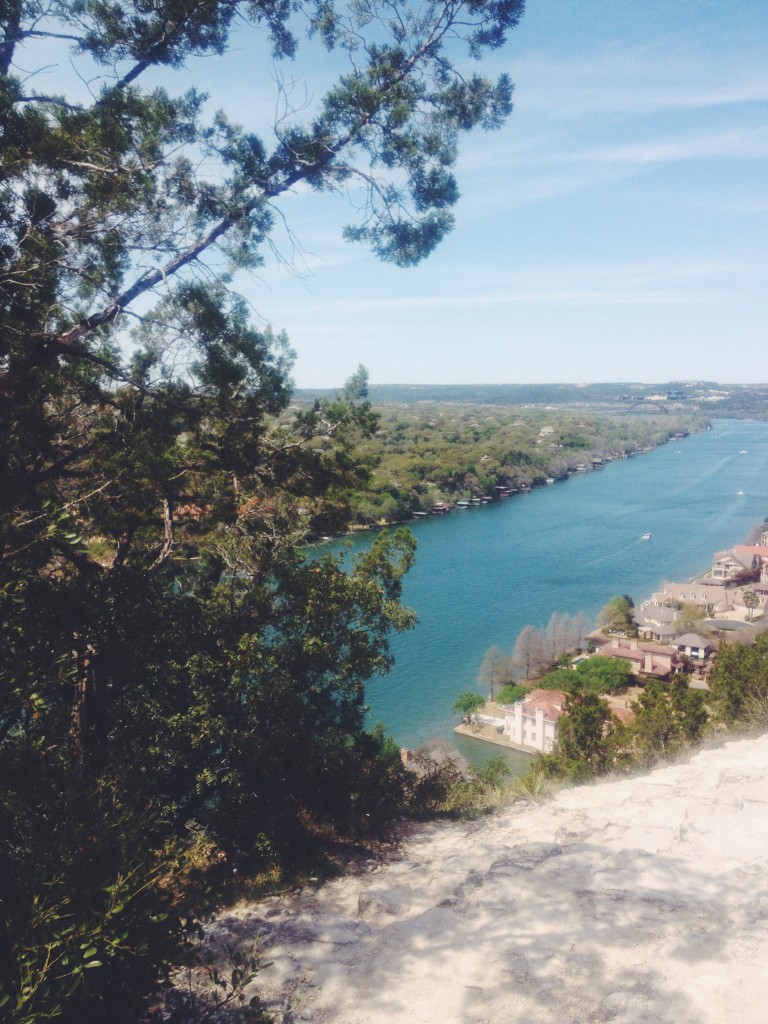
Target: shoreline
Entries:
(503, 492)
(439, 679)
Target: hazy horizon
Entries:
(659, 382)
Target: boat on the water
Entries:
(646, 536)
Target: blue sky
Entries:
(614, 229)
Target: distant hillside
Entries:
(747, 400)
(428, 454)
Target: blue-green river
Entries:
(482, 574)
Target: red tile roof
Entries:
(552, 701)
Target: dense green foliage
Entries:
(467, 703)
(585, 736)
(739, 680)
(592, 741)
(178, 686)
(597, 674)
(668, 718)
(431, 453)
(617, 615)
(511, 693)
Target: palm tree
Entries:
(751, 601)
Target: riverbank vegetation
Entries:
(669, 721)
(422, 455)
(535, 651)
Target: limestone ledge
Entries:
(641, 901)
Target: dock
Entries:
(488, 728)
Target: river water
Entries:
(482, 574)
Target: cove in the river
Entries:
(482, 574)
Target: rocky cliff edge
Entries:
(631, 902)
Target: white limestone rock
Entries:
(641, 901)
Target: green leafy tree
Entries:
(604, 675)
(167, 649)
(468, 703)
(598, 675)
(495, 771)
(511, 693)
(585, 738)
(617, 614)
(564, 679)
(666, 719)
(739, 677)
(691, 712)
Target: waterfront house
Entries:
(727, 564)
(656, 622)
(532, 722)
(759, 555)
(644, 659)
(710, 594)
(742, 561)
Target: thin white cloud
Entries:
(556, 167)
(639, 81)
(655, 284)
(733, 145)
(745, 142)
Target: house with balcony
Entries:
(740, 559)
(531, 723)
(727, 564)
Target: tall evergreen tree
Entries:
(168, 657)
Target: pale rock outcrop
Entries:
(643, 901)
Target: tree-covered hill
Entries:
(438, 452)
(686, 397)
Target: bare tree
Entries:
(496, 669)
(528, 658)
